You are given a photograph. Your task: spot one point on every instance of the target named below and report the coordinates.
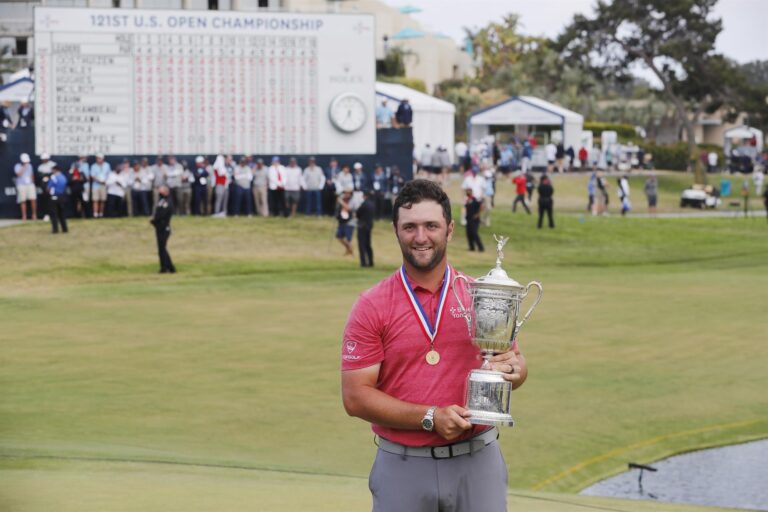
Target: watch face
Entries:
(427, 424)
(348, 112)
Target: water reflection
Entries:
(732, 476)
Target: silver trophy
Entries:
(493, 326)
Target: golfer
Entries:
(406, 355)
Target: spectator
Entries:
(404, 114)
(546, 203)
(77, 172)
(365, 215)
(623, 192)
(26, 115)
(583, 157)
(441, 163)
(276, 181)
(57, 192)
(378, 195)
(520, 189)
(489, 192)
(551, 152)
(146, 179)
(476, 182)
(345, 229)
(396, 182)
(222, 178)
(425, 159)
(344, 181)
(313, 183)
(260, 188)
(25, 186)
(473, 209)
(651, 190)
(559, 157)
(200, 187)
(173, 174)
(292, 187)
(506, 160)
(329, 190)
(601, 203)
(6, 121)
(525, 162)
(712, 162)
(97, 177)
(117, 182)
(758, 177)
(383, 115)
(530, 184)
(571, 154)
(461, 155)
(44, 172)
(158, 178)
(243, 178)
(185, 190)
(136, 193)
(359, 184)
(591, 186)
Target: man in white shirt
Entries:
(425, 159)
(292, 187)
(276, 182)
(117, 182)
(25, 186)
(551, 152)
(173, 173)
(476, 182)
(712, 161)
(314, 181)
(243, 179)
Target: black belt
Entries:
(469, 446)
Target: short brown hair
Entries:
(416, 191)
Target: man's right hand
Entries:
(451, 421)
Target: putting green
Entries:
(649, 341)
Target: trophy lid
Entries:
(497, 277)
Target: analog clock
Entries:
(348, 112)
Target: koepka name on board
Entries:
(215, 22)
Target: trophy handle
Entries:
(533, 306)
(458, 299)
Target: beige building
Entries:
(431, 57)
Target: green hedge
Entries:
(674, 157)
(624, 131)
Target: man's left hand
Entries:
(512, 365)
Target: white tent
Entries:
(527, 111)
(17, 90)
(740, 133)
(433, 119)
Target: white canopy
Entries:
(17, 90)
(527, 110)
(433, 119)
(742, 132)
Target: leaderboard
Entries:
(185, 82)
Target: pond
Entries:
(733, 476)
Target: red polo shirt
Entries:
(383, 328)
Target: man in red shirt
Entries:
(406, 355)
(521, 189)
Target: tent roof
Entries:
(417, 99)
(408, 33)
(524, 110)
(742, 132)
(17, 90)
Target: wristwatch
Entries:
(428, 421)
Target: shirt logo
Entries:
(456, 312)
(350, 346)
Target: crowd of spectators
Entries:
(225, 186)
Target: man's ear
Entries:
(451, 226)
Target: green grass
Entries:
(218, 388)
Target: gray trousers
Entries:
(476, 482)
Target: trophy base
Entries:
(489, 398)
(494, 420)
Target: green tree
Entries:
(674, 39)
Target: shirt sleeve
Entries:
(362, 344)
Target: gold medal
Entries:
(433, 357)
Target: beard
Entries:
(438, 252)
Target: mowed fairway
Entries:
(218, 388)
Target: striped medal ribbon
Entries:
(432, 357)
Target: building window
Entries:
(263, 4)
(21, 46)
(213, 5)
